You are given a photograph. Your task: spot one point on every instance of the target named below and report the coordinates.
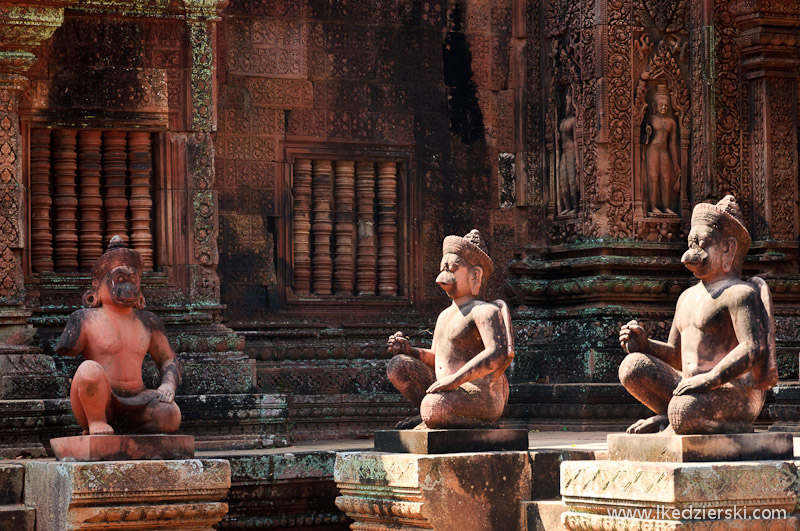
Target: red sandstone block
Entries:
(123, 447)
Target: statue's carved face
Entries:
(709, 254)
(662, 104)
(454, 276)
(120, 287)
(457, 277)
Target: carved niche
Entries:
(661, 121)
(563, 124)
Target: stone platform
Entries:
(185, 495)
(626, 495)
(446, 492)
(450, 441)
(123, 447)
(700, 448)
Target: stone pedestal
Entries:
(115, 495)
(475, 491)
(700, 448)
(123, 447)
(450, 441)
(678, 495)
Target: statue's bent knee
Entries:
(435, 411)
(398, 368)
(168, 417)
(634, 367)
(90, 372)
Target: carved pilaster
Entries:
(115, 172)
(366, 263)
(387, 228)
(201, 16)
(617, 122)
(769, 48)
(11, 206)
(41, 237)
(202, 76)
(344, 199)
(322, 265)
(90, 163)
(140, 169)
(23, 27)
(65, 167)
(205, 219)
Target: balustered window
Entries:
(347, 229)
(85, 187)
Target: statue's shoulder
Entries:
(486, 308)
(741, 292)
(82, 315)
(150, 320)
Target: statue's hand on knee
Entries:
(166, 393)
(633, 338)
(399, 344)
(699, 383)
(448, 383)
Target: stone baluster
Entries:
(321, 187)
(115, 170)
(387, 228)
(41, 201)
(140, 169)
(301, 191)
(90, 164)
(366, 262)
(344, 199)
(65, 168)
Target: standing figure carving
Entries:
(460, 381)
(661, 161)
(712, 374)
(114, 334)
(566, 157)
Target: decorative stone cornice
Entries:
(29, 24)
(764, 8)
(190, 9)
(23, 27)
(768, 37)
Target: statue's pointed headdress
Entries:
(726, 217)
(471, 248)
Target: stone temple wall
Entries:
(289, 169)
(352, 138)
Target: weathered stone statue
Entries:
(712, 374)
(661, 161)
(460, 381)
(113, 333)
(567, 198)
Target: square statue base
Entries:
(722, 496)
(475, 491)
(701, 448)
(166, 495)
(123, 447)
(450, 441)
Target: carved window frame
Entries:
(409, 266)
(168, 211)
